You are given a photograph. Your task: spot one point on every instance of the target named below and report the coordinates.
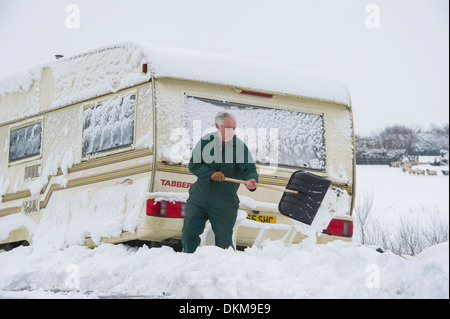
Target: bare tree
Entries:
(437, 230)
(361, 215)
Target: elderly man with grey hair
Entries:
(216, 156)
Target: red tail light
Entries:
(166, 209)
(339, 227)
(257, 94)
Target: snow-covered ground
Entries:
(335, 270)
(400, 195)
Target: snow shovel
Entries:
(302, 196)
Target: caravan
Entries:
(95, 146)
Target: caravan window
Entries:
(25, 142)
(274, 136)
(109, 125)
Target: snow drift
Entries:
(335, 270)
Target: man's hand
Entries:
(250, 184)
(218, 177)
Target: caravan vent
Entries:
(32, 171)
(30, 206)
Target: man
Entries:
(216, 156)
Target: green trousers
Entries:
(222, 218)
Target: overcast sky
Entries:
(393, 55)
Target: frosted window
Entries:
(25, 142)
(109, 125)
(273, 136)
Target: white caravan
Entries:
(95, 146)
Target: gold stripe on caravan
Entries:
(9, 211)
(271, 180)
(86, 180)
(82, 182)
(181, 169)
(264, 179)
(84, 166)
(16, 196)
(96, 179)
(112, 159)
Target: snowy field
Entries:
(396, 193)
(335, 270)
(416, 206)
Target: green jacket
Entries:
(233, 159)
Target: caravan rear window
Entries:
(25, 142)
(274, 136)
(109, 125)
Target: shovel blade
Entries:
(303, 206)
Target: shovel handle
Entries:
(276, 188)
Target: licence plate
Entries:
(262, 218)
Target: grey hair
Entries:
(221, 116)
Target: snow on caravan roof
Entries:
(97, 71)
(245, 73)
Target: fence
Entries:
(374, 161)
